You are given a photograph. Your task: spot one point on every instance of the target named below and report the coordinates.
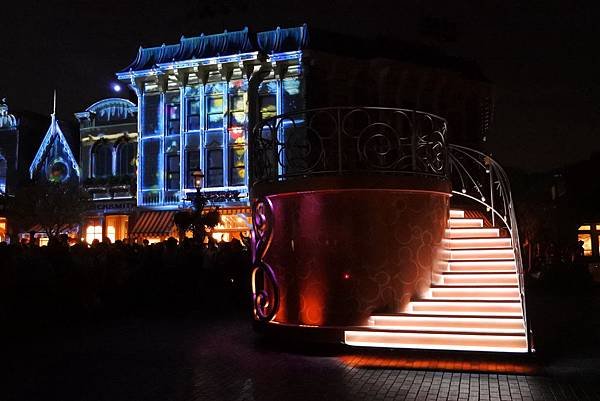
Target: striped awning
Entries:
(154, 223)
(36, 228)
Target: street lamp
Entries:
(199, 199)
(198, 176)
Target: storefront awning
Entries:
(154, 224)
(36, 228)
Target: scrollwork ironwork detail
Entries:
(348, 140)
(266, 292)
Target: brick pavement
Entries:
(190, 359)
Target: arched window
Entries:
(3, 173)
(126, 157)
(103, 160)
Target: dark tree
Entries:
(56, 207)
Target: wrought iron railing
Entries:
(339, 140)
(479, 178)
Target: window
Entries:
(150, 123)
(267, 106)
(293, 99)
(587, 243)
(93, 231)
(126, 158)
(3, 173)
(59, 172)
(236, 137)
(213, 143)
(589, 234)
(172, 172)
(172, 110)
(237, 165)
(237, 110)
(150, 152)
(214, 167)
(214, 112)
(103, 160)
(267, 99)
(193, 114)
(116, 227)
(193, 163)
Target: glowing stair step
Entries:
(447, 324)
(465, 223)
(509, 278)
(475, 232)
(476, 243)
(481, 254)
(457, 214)
(481, 266)
(447, 341)
(462, 307)
(475, 293)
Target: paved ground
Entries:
(190, 358)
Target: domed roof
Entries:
(6, 120)
(113, 109)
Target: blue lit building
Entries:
(195, 102)
(198, 98)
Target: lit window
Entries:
(267, 99)
(585, 228)
(292, 95)
(150, 152)
(193, 164)
(237, 167)
(2, 229)
(172, 172)
(214, 167)
(213, 143)
(93, 232)
(268, 106)
(172, 110)
(214, 112)
(150, 115)
(111, 233)
(587, 243)
(117, 227)
(237, 107)
(193, 114)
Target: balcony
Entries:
(114, 187)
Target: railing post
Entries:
(491, 172)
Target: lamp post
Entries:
(199, 204)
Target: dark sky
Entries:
(541, 55)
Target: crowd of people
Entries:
(58, 282)
(554, 265)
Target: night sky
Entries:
(542, 57)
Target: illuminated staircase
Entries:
(473, 304)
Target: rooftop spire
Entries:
(54, 106)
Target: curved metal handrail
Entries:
(481, 179)
(339, 140)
